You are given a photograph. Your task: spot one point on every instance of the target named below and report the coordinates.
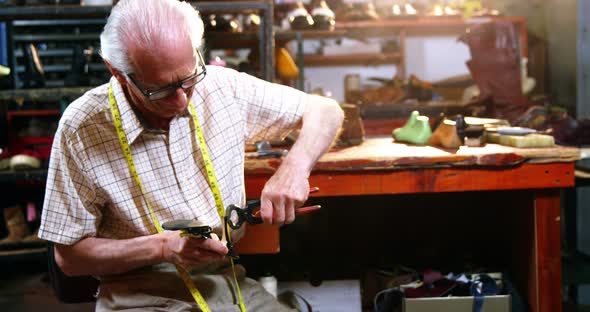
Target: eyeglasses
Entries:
(170, 89)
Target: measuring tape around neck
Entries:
(211, 178)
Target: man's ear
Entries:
(118, 75)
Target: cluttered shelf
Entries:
(388, 27)
(384, 27)
(77, 11)
(87, 11)
(57, 32)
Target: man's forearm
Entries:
(99, 256)
(321, 123)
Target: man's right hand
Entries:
(191, 251)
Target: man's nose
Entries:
(181, 94)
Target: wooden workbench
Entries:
(379, 167)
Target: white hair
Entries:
(146, 24)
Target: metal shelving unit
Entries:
(55, 30)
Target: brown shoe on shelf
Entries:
(222, 23)
(299, 18)
(441, 9)
(323, 17)
(252, 22)
(15, 224)
(402, 9)
(353, 131)
(362, 11)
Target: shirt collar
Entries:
(133, 122)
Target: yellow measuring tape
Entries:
(212, 179)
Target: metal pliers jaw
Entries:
(242, 214)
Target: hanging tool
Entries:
(264, 150)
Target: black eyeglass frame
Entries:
(168, 90)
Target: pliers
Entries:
(196, 228)
(248, 214)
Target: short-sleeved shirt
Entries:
(90, 191)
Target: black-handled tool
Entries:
(196, 228)
(189, 228)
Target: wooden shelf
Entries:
(353, 59)
(38, 175)
(308, 34)
(14, 252)
(427, 21)
(432, 24)
(25, 254)
(250, 38)
(383, 27)
(43, 94)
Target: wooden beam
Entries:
(546, 295)
(528, 176)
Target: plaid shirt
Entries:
(90, 191)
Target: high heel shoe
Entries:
(357, 12)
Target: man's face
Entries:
(161, 79)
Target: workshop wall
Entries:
(552, 24)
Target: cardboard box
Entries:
(330, 296)
(456, 304)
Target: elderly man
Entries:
(140, 150)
